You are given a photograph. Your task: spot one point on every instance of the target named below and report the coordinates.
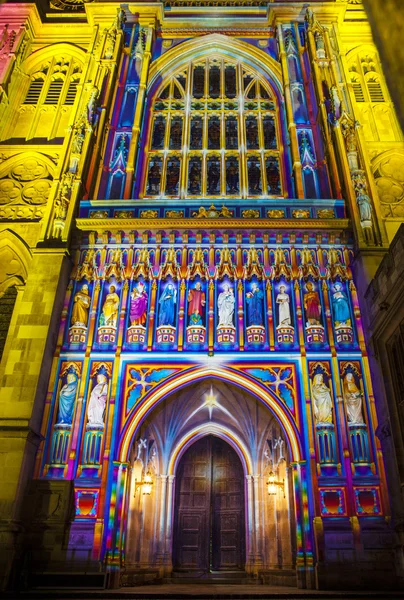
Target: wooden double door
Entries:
(209, 527)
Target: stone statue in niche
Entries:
(98, 401)
(154, 178)
(283, 300)
(138, 305)
(196, 304)
(78, 139)
(365, 208)
(226, 303)
(109, 315)
(232, 177)
(342, 315)
(67, 396)
(320, 45)
(312, 305)
(322, 402)
(213, 178)
(80, 307)
(254, 300)
(353, 399)
(167, 303)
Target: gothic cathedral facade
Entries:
(194, 197)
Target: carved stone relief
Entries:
(24, 189)
(389, 178)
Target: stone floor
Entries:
(202, 592)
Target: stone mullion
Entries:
(270, 314)
(70, 471)
(122, 315)
(328, 316)
(152, 314)
(211, 315)
(294, 144)
(240, 312)
(372, 427)
(317, 81)
(181, 315)
(242, 158)
(341, 424)
(105, 460)
(187, 136)
(299, 317)
(140, 103)
(93, 316)
(349, 190)
(378, 220)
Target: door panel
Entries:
(192, 508)
(209, 509)
(228, 508)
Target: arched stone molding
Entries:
(8, 164)
(251, 496)
(224, 433)
(41, 119)
(217, 44)
(15, 258)
(143, 514)
(35, 59)
(241, 380)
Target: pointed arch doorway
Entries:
(209, 514)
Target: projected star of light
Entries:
(210, 402)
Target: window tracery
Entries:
(214, 132)
(46, 102)
(372, 98)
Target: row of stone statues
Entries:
(226, 304)
(96, 403)
(323, 405)
(320, 392)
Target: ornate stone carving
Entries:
(69, 5)
(26, 183)
(389, 179)
(212, 212)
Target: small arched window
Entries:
(357, 89)
(214, 132)
(374, 88)
(54, 84)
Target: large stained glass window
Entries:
(214, 132)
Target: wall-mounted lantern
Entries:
(273, 485)
(146, 484)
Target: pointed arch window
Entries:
(375, 89)
(53, 85)
(372, 98)
(214, 132)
